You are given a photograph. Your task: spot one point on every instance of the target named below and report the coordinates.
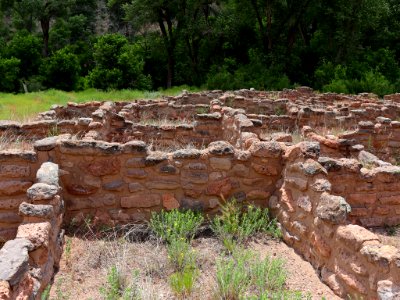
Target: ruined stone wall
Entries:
(373, 192)
(17, 173)
(125, 182)
(381, 138)
(349, 258)
(28, 262)
(320, 191)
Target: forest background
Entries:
(347, 46)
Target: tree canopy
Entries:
(344, 46)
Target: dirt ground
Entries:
(84, 265)
(389, 235)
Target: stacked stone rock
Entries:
(350, 259)
(286, 110)
(124, 182)
(17, 173)
(112, 173)
(28, 262)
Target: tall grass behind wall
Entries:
(24, 107)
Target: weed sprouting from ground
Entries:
(176, 224)
(117, 286)
(243, 275)
(236, 223)
(178, 228)
(166, 259)
(181, 255)
(182, 283)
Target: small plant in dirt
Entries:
(244, 275)
(60, 295)
(202, 110)
(46, 293)
(181, 255)
(233, 276)
(117, 287)
(175, 224)
(237, 222)
(182, 283)
(392, 230)
(67, 251)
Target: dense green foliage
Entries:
(175, 225)
(343, 46)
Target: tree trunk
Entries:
(170, 72)
(45, 24)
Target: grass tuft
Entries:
(236, 223)
(175, 224)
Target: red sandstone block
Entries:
(382, 210)
(354, 236)
(362, 198)
(359, 212)
(390, 199)
(169, 202)
(141, 200)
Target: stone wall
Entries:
(350, 259)
(118, 167)
(381, 138)
(17, 173)
(372, 191)
(28, 262)
(125, 182)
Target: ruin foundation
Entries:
(324, 164)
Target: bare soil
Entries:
(389, 235)
(84, 265)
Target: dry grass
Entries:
(147, 119)
(10, 141)
(132, 249)
(389, 235)
(172, 146)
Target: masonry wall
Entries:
(350, 259)
(125, 182)
(381, 138)
(17, 173)
(372, 192)
(28, 262)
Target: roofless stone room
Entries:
(96, 198)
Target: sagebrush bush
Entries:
(181, 255)
(237, 223)
(175, 225)
(182, 283)
(117, 286)
(245, 275)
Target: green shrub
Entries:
(61, 70)
(233, 275)
(182, 283)
(117, 287)
(9, 70)
(175, 224)
(118, 64)
(222, 80)
(245, 275)
(236, 223)
(376, 83)
(181, 255)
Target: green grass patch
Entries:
(175, 225)
(237, 222)
(244, 275)
(23, 107)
